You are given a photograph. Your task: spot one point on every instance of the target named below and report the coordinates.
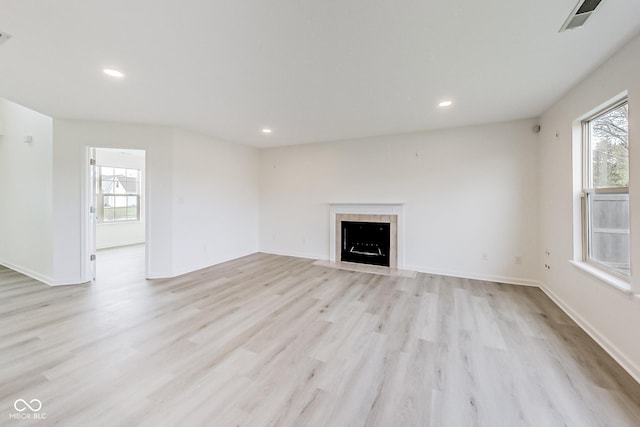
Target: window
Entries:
(118, 194)
(605, 195)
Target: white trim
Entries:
(160, 275)
(69, 282)
(427, 270)
(85, 202)
(195, 267)
(367, 209)
(87, 235)
(294, 254)
(476, 276)
(47, 280)
(604, 277)
(581, 155)
(613, 351)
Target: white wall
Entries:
(609, 315)
(112, 234)
(467, 191)
(215, 201)
(25, 191)
(71, 141)
(201, 196)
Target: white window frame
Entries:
(100, 196)
(604, 272)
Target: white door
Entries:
(93, 207)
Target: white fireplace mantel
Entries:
(366, 209)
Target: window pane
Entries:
(106, 179)
(106, 171)
(120, 214)
(120, 201)
(132, 213)
(129, 185)
(120, 188)
(108, 214)
(609, 230)
(609, 138)
(107, 186)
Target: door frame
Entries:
(88, 227)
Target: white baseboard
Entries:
(196, 267)
(28, 272)
(295, 254)
(69, 282)
(160, 275)
(427, 270)
(613, 351)
(475, 276)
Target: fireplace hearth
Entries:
(365, 242)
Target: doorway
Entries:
(117, 210)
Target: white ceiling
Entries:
(310, 70)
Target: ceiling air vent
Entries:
(580, 14)
(4, 37)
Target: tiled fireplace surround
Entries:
(391, 213)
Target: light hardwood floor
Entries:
(275, 341)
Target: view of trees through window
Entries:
(118, 194)
(610, 148)
(607, 189)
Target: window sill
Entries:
(129, 221)
(611, 280)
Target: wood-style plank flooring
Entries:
(268, 340)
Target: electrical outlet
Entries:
(518, 259)
(485, 257)
(547, 255)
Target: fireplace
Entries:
(384, 218)
(375, 229)
(366, 242)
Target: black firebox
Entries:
(366, 242)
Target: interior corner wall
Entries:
(609, 315)
(71, 140)
(215, 201)
(26, 191)
(467, 192)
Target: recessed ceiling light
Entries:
(113, 73)
(265, 130)
(445, 103)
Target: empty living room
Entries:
(312, 213)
